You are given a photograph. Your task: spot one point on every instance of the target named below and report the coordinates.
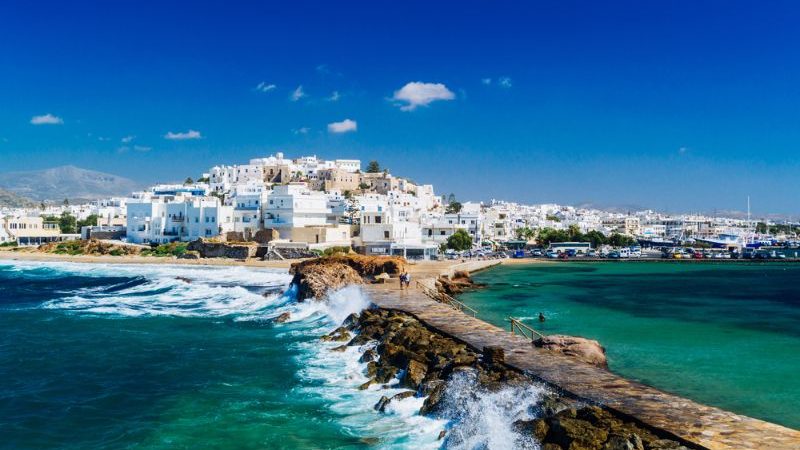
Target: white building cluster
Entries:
(318, 203)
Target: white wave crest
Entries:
(173, 291)
(481, 419)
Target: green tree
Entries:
(453, 208)
(188, 181)
(549, 235)
(596, 238)
(575, 234)
(67, 223)
(373, 167)
(459, 241)
(451, 198)
(525, 233)
(90, 221)
(761, 227)
(66, 202)
(620, 240)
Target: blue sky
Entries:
(683, 106)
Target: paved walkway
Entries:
(703, 425)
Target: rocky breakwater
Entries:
(314, 278)
(401, 352)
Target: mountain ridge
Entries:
(71, 182)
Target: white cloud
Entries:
(301, 130)
(191, 134)
(47, 119)
(417, 93)
(265, 87)
(486, 81)
(297, 94)
(142, 148)
(127, 139)
(335, 96)
(123, 149)
(683, 150)
(504, 82)
(344, 126)
(103, 139)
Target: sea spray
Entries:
(483, 419)
(336, 375)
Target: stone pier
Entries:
(694, 423)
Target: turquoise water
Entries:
(131, 357)
(723, 334)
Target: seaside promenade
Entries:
(694, 423)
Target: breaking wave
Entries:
(472, 419)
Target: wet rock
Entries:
(433, 402)
(338, 335)
(340, 348)
(351, 321)
(372, 369)
(494, 355)
(184, 279)
(414, 374)
(369, 355)
(442, 434)
(384, 400)
(621, 442)
(283, 317)
(586, 350)
(364, 386)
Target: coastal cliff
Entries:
(315, 277)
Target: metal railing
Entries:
(525, 330)
(441, 297)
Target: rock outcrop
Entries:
(586, 350)
(410, 355)
(316, 280)
(592, 427)
(316, 277)
(212, 249)
(456, 284)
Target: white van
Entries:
(624, 253)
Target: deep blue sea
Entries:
(170, 357)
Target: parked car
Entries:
(591, 253)
(571, 253)
(697, 255)
(563, 255)
(613, 254)
(551, 254)
(537, 252)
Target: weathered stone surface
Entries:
(586, 350)
(210, 249)
(493, 354)
(283, 317)
(414, 374)
(316, 281)
(190, 254)
(338, 335)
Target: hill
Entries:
(63, 182)
(13, 200)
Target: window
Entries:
(378, 219)
(386, 234)
(442, 233)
